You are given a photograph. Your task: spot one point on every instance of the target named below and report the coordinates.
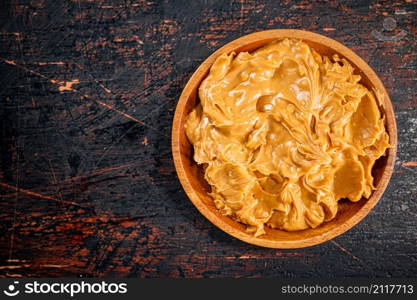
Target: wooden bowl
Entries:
(192, 178)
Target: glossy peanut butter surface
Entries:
(283, 134)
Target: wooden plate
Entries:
(191, 176)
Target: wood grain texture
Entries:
(191, 175)
(88, 91)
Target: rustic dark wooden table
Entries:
(87, 183)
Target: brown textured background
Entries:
(87, 183)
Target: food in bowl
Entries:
(283, 134)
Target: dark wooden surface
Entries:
(87, 183)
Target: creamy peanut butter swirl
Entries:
(283, 134)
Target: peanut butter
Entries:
(283, 134)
